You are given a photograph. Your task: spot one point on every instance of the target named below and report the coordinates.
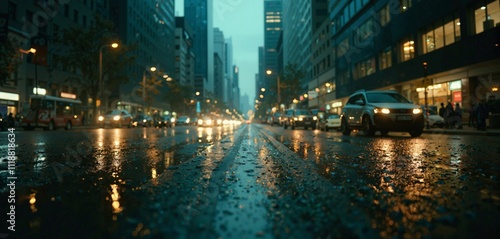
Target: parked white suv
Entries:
(384, 111)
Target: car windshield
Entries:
(302, 112)
(383, 97)
(113, 112)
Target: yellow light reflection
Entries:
(32, 202)
(115, 197)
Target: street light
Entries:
(33, 50)
(269, 72)
(152, 69)
(113, 45)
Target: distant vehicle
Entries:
(276, 119)
(384, 111)
(163, 121)
(142, 120)
(183, 120)
(116, 118)
(50, 112)
(206, 122)
(329, 121)
(299, 118)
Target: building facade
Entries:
(273, 24)
(184, 56)
(430, 51)
(199, 15)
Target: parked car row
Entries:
(366, 111)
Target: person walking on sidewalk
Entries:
(473, 115)
(449, 116)
(482, 114)
(458, 115)
(442, 113)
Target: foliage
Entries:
(153, 85)
(291, 83)
(81, 49)
(8, 62)
(178, 96)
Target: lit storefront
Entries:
(8, 103)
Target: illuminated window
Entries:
(486, 16)
(384, 15)
(407, 50)
(439, 35)
(385, 58)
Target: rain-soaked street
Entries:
(249, 181)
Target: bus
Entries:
(50, 113)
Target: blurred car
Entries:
(276, 119)
(432, 118)
(299, 118)
(183, 120)
(163, 121)
(142, 120)
(194, 121)
(116, 118)
(206, 122)
(381, 110)
(329, 121)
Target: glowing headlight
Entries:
(200, 121)
(187, 121)
(295, 118)
(381, 111)
(144, 120)
(101, 118)
(315, 118)
(209, 122)
(172, 120)
(219, 121)
(116, 118)
(417, 111)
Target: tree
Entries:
(178, 96)
(80, 53)
(291, 83)
(8, 62)
(153, 85)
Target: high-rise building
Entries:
(150, 25)
(184, 63)
(273, 23)
(429, 51)
(198, 14)
(300, 18)
(228, 72)
(219, 52)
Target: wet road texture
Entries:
(250, 181)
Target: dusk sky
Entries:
(241, 20)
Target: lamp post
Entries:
(113, 45)
(152, 69)
(33, 50)
(426, 85)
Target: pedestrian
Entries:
(442, 112)
(482, 114)
(473, 115)
(10, 120)
(458, 115)
(449, 114)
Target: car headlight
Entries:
(116, 118)
(172, 120)
(200, 121)
(295, 118)
(417, 111)
(144, 120)
(315, 118)
(381, 111)
(101, 118)
(187, 121)
(219, 121)
(209, 122)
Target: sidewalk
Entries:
(465, 131)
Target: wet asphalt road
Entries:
(251, 181)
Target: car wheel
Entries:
(416, 132)
(367, 127)
(68, 125)
(344, 128)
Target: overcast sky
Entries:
(241, 20)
